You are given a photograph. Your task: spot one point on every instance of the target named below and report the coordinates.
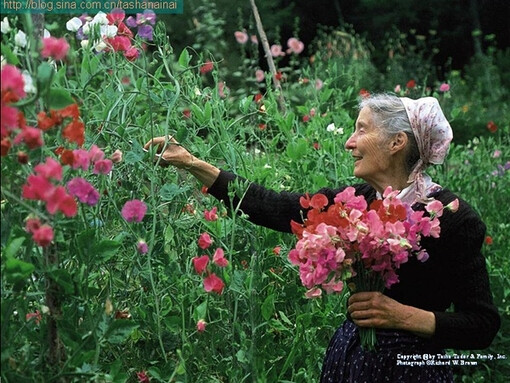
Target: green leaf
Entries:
(106, 249)
(119, 330)
(63, 279)
(16, 271)
(132, 157)
(169, 191)
(182, 134)
(13, 247)
(184, 58)
(200, 311)
(9, 56)
(59, 98)
(45, 73)
(267, 307)
(297, 149)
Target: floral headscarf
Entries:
(433, 135)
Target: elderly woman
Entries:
(394, 140)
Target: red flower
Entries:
(206, 67)
(32, 137)
(204, 241)
(258, 98)
(142, 377)
(213, 284)
(306, 118)
(22, 158)
(262, 126)
(37, 315)
(131, 54)
(43, 235)
(411, 84)
(488, 240)
(6, 145)
(492, 127)
(186, 113)
(316, 146)
(67, 157)
(74, 132)
(200, 263)
(277, 250)
(204, 189)
(278, 76)
(364, 93)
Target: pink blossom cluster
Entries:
(333, 240)
(83, 159)
(212, 283)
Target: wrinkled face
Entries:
(369, 148)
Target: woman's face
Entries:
(369, 149)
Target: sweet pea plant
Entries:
(350, 240)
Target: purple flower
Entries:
(134, 210)
(145, 32)
(146, 16)
(142, 247)
(131, 22)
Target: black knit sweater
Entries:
(455, 273)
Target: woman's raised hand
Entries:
(171, 152)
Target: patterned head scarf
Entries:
(433, 135)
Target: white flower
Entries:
(29, 82)
(74, 24)
(100, 18)
(3, 61)
(84, 43)
(109, 30)
(100, 46)
(197, 92)
(20, 39)
(6, 27)
(331, 127)
(339, 131)
(46, 33)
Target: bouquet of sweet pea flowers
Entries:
(364, 246)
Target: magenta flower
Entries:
(51, 169)
(142, 247)
(83, 190)
(204, 241)
(81, 159)
(134, 210)
(12, 80)
(43, 235)
(444, 87)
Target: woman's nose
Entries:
(350, 143)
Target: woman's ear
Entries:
(398, 142)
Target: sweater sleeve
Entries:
(475, 320)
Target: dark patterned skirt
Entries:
(400, 357)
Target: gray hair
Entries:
(390, 115)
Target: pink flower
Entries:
(201, 325)
(81, 159)
(204, 241)
(318, 84)
(116, 156)
(254, 39)
(84, 191)
(32, 137)
(313, 293)
(277, 250)
(36, 315)
(59, 200)
(32, 224)
(142, 247)
(43, 235)
(259, 75)
(95, 153)
(51, 169)
(397, 88)
(444, 87)
(241, 37)
(276, 50)
(131, 53)
(200, 263)
(119, 43)
(211, 215)
(496, 154)
(116, 16)
(12, 80)
(221, 89)
(55, 48)
(295, 46)
(453, 206)
(134, 210)
(36, 187)
(435, 208)
(213, 284)
(103, 166)
(219, 258)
